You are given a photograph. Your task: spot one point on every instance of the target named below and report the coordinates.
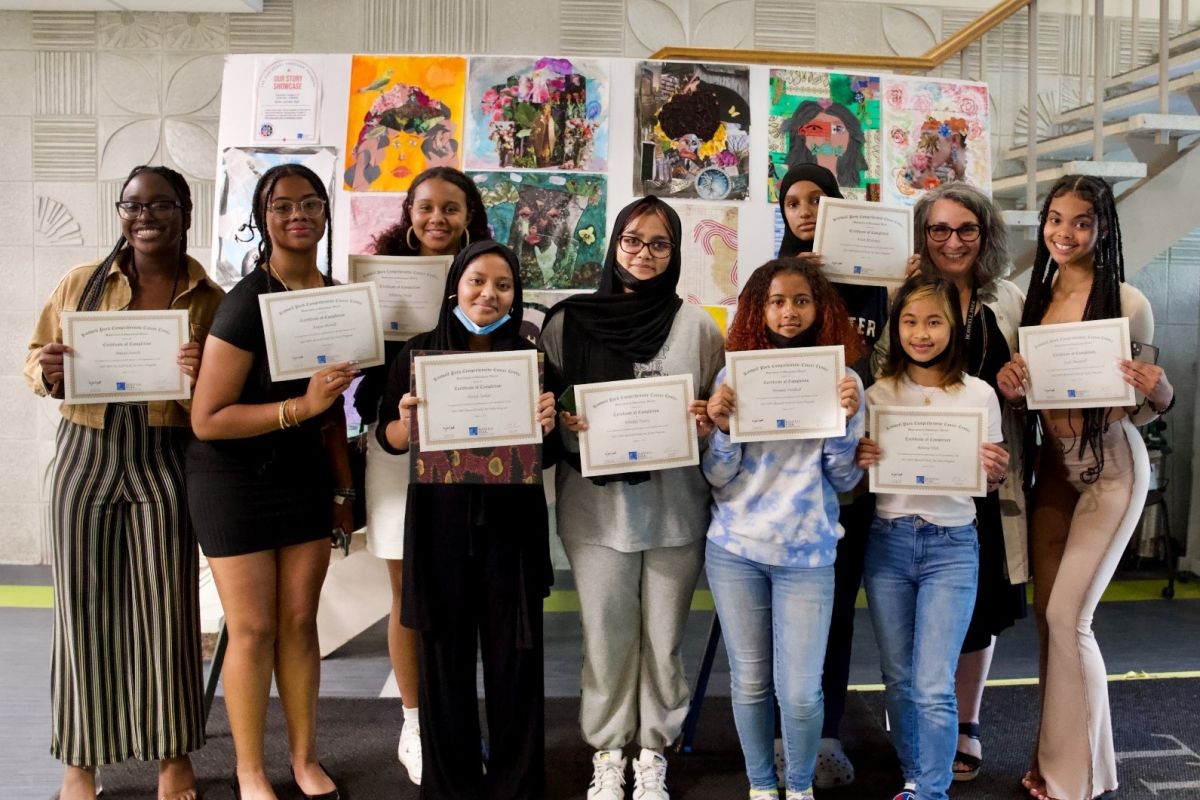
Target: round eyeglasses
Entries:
(941, 233)
(128, 209)
(309, 207)
(633, 245)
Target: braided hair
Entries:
(1104, 299)
(833, 326)
(264, 192)
(394, 240)
(89, 300)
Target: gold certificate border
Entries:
(267, 301)
(1126, 398)
(176, 317)
(978, 489)
(400, 264)
(583, 392)
(873, 208)
(526, 358)
(836, 352)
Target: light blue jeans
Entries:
(920, 580)
(775, 622)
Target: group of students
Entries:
(784, 530)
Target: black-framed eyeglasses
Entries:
(941, 233)
(128, 209)
(633, 245)
(309, 207)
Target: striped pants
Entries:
(125, 672)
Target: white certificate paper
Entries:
(124, 356)
(928, 450)
(637, 425)
(786, 393)
(477, 399)
(410, 290)
(287, 103)
(309, 329)
(1072, 364)
(863, 242)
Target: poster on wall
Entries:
(241, 167)
(548, 113)
(287, 103)
(934, 132)
(371, 215)
(693, 130)
(709, 272)
(554, 222)
(825, 118)
(405, 114)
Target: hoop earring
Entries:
(408, 240)
(466, 233)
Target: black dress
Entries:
(263, 492)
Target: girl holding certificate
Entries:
(268, 479)
(635, 540)
(1092, 474)
(774, 532)
(800, 194)
(126, 617)
(442, 213)
(922, 559)
(477, 565)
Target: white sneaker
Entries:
(608, 776)
(803, 794)
(650, 776)
(409, 751)
(764, 794)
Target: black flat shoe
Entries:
(336, 794)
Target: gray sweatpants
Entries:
(634, 607)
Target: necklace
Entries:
(276, 275)
(927, 392)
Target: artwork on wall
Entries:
(554, 222)
(371, 215)
(548, 113)
(241, 167)
(709, 273)
(934, 132)
(826, 118)
(693, 130)
(405, 114)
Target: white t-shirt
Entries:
(942, 510)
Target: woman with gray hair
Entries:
(961, 237)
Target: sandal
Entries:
(973, 763)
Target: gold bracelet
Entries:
(289, 412)
(282, 421)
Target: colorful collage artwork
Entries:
(693, 130)
(825, 118)
(554, 222)
(548, 113)
(934, 132)
(405, 115)
(709, 273)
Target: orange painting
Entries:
(405, 115)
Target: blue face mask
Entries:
(478, 330)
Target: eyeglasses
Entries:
(309, 207)
(941, 233)
(633, 245)
(128, 209)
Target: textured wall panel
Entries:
(202, 206)
(127, 30)
(55, 30)
(268, 32)
(63, 83)
(592, 27)
(108, 226)
(196, 31)
(785, 25)
(415, 26)
(64, 149)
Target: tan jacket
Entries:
(200, 297)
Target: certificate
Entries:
(124, 356)
(786, 393)
(1072, 364)
(477, 399)
(929, 450)
(637, 425)
(410, 290)
(309, 329)
(863, 242)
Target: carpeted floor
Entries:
(1158, 742)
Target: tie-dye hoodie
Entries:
(777, 502)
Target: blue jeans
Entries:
(920, 580)
(775, 622)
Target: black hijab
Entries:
(450, 333)
(606, 333)
(825, 181)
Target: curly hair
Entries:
(394, 240)
(1104, 299)
(89, 299)
(920, 287)
(264, 192)
(992, 263)
(833, 325)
